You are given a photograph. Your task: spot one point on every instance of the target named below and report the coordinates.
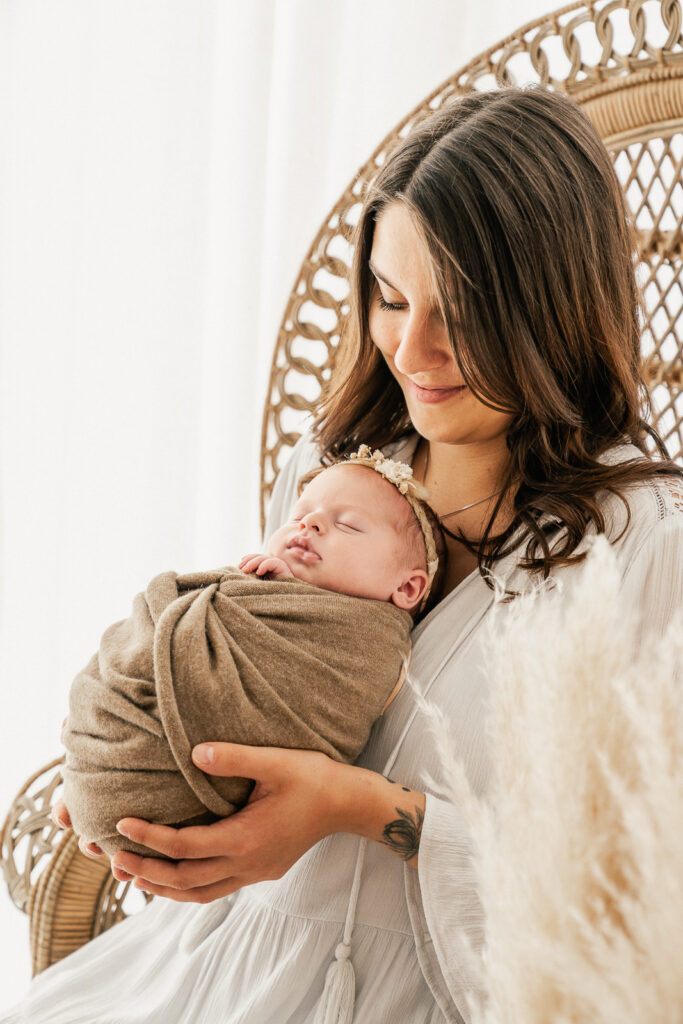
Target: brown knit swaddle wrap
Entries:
(220, 656)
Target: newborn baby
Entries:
(303, 646)
(352, 533)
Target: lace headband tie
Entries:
(401, 476)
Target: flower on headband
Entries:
(398, 473)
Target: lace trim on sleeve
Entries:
(669, 496)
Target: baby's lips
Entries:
(313, 555)
(298, 541)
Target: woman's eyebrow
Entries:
(380, 277)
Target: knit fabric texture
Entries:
(226, 657)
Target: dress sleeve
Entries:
(653, 581)
(444, 906)
(443, 893)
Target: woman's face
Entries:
(406, 326)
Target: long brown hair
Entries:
(533, 258)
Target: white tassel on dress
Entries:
(339, 994)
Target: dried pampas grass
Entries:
(579, 844)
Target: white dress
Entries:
(260, 956)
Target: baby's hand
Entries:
(262, 564)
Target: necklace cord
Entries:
(455, 511)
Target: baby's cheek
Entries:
(276, 544)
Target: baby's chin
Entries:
(309, 569)
(302, 565)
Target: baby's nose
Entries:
(310, 522)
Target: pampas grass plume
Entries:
(578, 844)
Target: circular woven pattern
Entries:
(69, 897)
(623, 62)
(648, 100)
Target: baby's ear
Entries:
(411, 591)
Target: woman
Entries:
(493, 343)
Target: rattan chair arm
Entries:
(69, 897)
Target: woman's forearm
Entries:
(380, 809)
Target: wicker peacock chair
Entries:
(622, 61)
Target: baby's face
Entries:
(347, 533)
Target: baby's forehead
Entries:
(359, 485)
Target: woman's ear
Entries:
(410, 592)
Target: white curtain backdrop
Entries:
(164, 165)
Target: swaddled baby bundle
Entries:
(220, 656)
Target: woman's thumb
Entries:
(233, 759)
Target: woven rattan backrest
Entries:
(622, 61)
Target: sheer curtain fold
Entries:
(164, 165)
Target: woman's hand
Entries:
(62, 818)
(300, 796)
(293, 805)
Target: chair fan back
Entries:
(622, 61)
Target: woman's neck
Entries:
(458, 475)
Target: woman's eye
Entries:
(383, 304)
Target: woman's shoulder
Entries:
(637, 508)
(643, 520)
(667, 494)
(650, 551)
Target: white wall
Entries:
(165, 164)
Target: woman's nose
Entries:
(422, 347)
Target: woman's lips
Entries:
(431, 395)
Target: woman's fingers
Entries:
(90, 850)
(201, 894)
(191, 842)
(289, 809)
(62, 818)
(239, 760)
(185, 875)
(60, 815)
(119, 874)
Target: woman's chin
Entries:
(433, 428)
(462, 427)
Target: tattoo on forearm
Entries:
(402, 835)
(406, 789)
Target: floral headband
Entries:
(401, 476)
